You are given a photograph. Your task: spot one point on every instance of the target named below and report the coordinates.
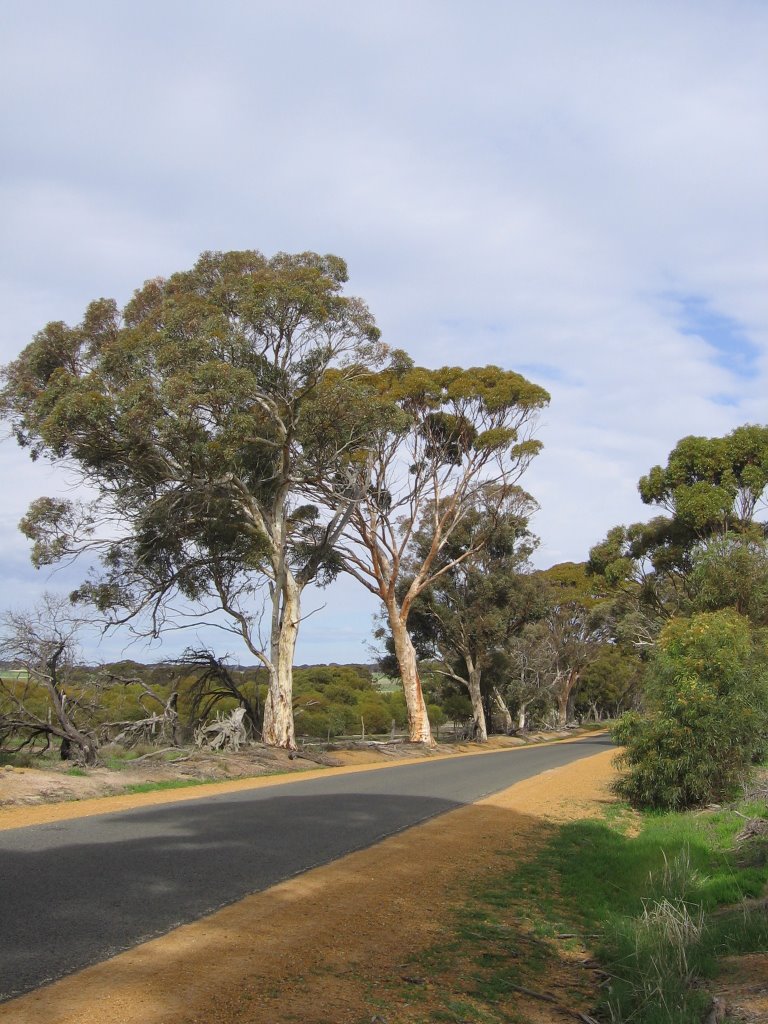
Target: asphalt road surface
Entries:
(76, 892)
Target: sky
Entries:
(573, 189)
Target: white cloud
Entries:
(519, 184)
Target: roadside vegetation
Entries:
(621, 919)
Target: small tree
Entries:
(38, 700)
(611, 683)
(525, 672)
(707, 699)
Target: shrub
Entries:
(707, 698)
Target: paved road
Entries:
(76, 892)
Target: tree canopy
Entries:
(192, 416)
(711, 490)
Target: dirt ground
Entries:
(334, 945)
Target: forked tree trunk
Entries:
(278, 728)
(480, 730)
(418, 721)
(506, 714)
(75, 744)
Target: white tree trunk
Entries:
(278, 728)
(480, 729)
(565, 686)
(418, 721)
(522, 717)
(501, 704)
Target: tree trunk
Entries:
(563, 691)
(506, 714)
(479, 730)
(522, 717)
(562, 708)
(418, 722)
(278, 728)
(72, 739)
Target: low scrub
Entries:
(707, 698)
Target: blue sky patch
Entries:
(733, 349)
(542, 371)
(724, 399)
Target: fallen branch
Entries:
(327, 762)
(152, 753)
(546, 998)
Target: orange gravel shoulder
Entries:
(315, 948)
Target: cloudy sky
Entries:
(575, 189)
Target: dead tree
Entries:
(226, 732)
(160, 725)
(215, 682)
(40, 700)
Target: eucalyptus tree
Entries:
(711, 493)
(550, 656)
(481, 601)
(448, 441)
(191, 417)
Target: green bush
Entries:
(707, 699)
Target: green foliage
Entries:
(731, 571)
(335, 700)
(458, 708)
(153, 787)
(199, 415)
(712, 482)
(329, 700)
(707, 697)
(610, 683)
(437, 715)
(708, 551)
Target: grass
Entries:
(152, 787)
(644, 895)
(651, 898)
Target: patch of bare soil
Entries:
(334, 945)
(30, 786)
(743, 987)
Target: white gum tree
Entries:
(448, 439)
